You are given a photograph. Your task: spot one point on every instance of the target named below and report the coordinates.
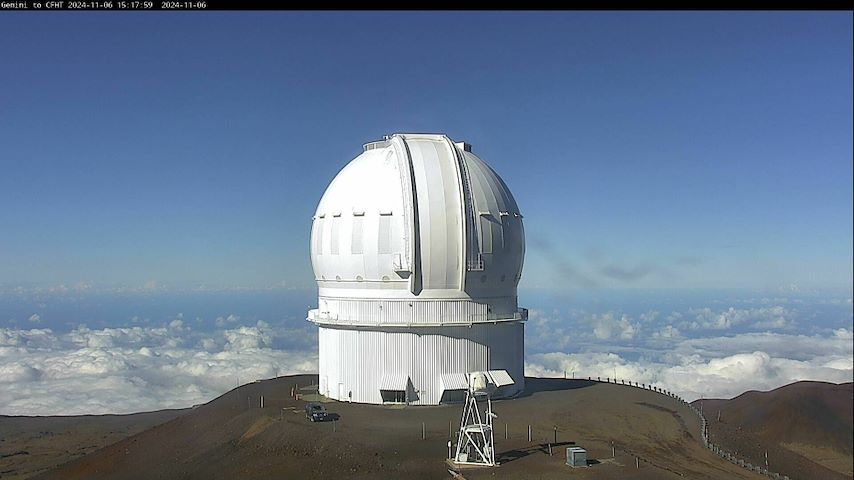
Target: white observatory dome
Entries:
(418, 217)
(416, 231)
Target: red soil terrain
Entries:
(29, 445)
(654, 436)
(805, 427)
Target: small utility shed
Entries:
(576, 457)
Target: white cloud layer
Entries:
(606, 325)
(776, 317)
(717, 367)
(123, 370)
(709, 352)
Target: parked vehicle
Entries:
(315, 412)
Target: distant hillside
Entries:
(29, 445)
(805, 427)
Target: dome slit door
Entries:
(439, 215)
(470, 248)
(412, 250)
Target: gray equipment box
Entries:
(576, 457)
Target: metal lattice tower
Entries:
(476, 441)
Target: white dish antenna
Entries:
(479, 383)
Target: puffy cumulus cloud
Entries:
(35, 339)
(583, 365)
(843, 333)
(222, 321)
(109, 337)
(729, 376)
(17, 372)
(607, 325)
(776, 317)
(649, 317)
(35, 318)
(208, 344)
(720, 367)
(132, 369)
(798, 347)
(667, 331)
(840, 363)
(550, 331)
(246, 338)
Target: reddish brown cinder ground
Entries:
(232, 437)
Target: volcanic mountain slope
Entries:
(232, 437)
(29, 445)
(806, 428)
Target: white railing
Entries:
(372, 313)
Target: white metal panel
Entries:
(454, 381)
(500, 377)
(394, 381)
(433, 359)
(439, 211)
(354, 189)
(500, 225)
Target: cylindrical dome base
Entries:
(419, 365)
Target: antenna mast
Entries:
(476, 442)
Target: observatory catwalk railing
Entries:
(704, 428)
(412, 313)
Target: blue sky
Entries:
(649, 150)
(686, 181)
